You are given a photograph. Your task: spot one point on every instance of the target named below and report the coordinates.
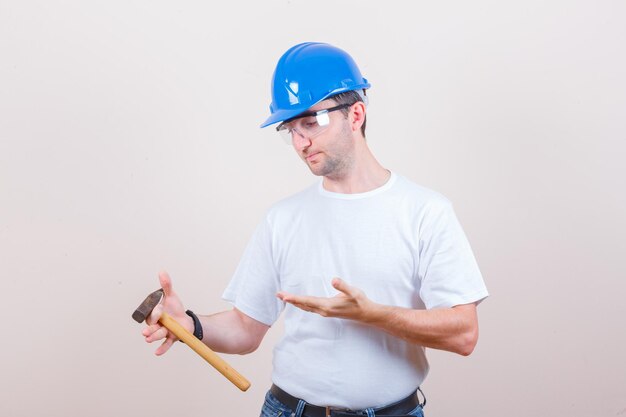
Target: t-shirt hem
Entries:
(476, 297)
(248, 311)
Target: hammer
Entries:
(144, 310)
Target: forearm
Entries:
(452, 329)
(230, 332)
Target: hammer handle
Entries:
(203, 350)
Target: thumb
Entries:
(166, 283)
(342, 286)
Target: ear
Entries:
(357, 116)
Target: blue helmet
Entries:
(307, 74)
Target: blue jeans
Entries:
(274, 408)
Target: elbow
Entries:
(467, 336)
(252, 340)
(251, 347)
(250, 334)
(466, 342)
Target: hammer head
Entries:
(145, 308)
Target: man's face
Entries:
(331, 152)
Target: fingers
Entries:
(349, 303)
(165, 346)
(154, 333)
(284, 296)
(166, 283)
(295, 299)
(155, 314)
(307, 303)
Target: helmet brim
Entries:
(286, 114)
(283, 115)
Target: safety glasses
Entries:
(308, 124)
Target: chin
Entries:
(317, 170)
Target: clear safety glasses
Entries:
(308, 124)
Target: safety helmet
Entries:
(308, 73)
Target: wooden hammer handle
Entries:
(203, 350)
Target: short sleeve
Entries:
(254, 285)
(447, 268)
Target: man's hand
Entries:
(351, 303)
(454, 329)
(174, 307)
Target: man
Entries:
(369, 268)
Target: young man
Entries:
(369, 268)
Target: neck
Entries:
(363, 174)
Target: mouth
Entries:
(312, 156)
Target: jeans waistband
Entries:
(403, 406)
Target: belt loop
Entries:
(300, 408)
(423, 396)
(370, 412)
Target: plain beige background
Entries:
(129, 143)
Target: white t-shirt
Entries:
(400, 243)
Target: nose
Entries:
(300, 141)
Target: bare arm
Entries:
(232, 332)
(453, 329)
(228, 332)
